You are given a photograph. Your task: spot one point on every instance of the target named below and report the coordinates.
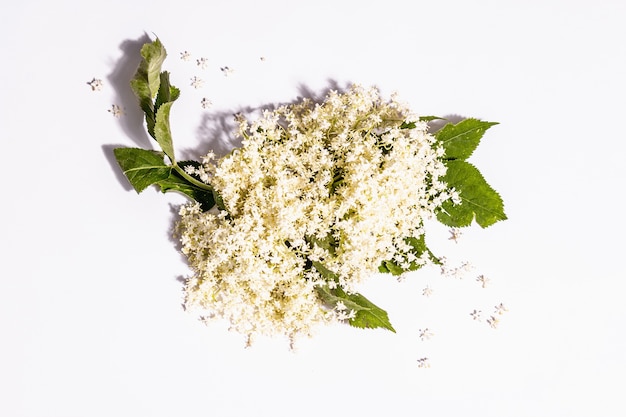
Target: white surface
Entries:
(90, 317)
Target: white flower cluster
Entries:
(342, 183)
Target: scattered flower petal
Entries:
(185, 56)
(95, 84)
(423, 363)
(116, 111)
(484, 281)
(455, 234)
(227, 71)
(427, 292)
(500, 309)
(476, 315)
(206, 103)
(196, 82)
(202, 63)
(493, 322)
(425, 334)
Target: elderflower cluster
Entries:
(341, 184)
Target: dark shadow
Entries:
(436, 125)
(217, 130)
(123, 71)
(318, 97)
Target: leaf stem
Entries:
(191, 179)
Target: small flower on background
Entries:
(484, 281)
(206, 103)
(493, 322)
(95, 84)
(185, 56)
(500, 309)
(227, 71)
(455, 234)
(202, 62)
(423, 363)
(116, 111)
(427, 292)
(456, 272)
(263, 59)
(476, 315)
(425, 334)
(196, 82)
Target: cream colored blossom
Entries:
(343, 171)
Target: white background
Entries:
(90, 315)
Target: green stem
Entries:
(191, 179)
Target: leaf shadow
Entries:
(438, 124)
(123, 70)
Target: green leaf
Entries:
(430, 118)
(394, 268)
(175, 182)
(326, 273)
(167, 92)
(162, 132)
(328, 242)
(478, 200)
(149, 71)
(368, 315)
(418, 249)
(145, 84)
(142, 167)
(461, 139)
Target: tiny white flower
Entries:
(206, 103)
(493, 322)
(427, 292)
(263, 59)
(95, 84)
(196, 82)
(423, 363)
(116, 111)
(484, 281)
(500, 309)
(425, 334)
(202, 62)
(476, 315)
(185, 56)
(340, 306)
(227, 71)
(455, 234)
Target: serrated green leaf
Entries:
(162, 132)
(175, 182)
(145, 84)
(367, 314)
(142, 167)
(167, 92)
(149, 70)
(461, 139)
(478, 200)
